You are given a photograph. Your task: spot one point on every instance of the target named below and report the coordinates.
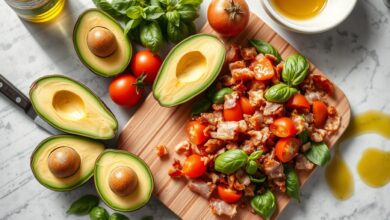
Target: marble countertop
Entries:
(355, 55)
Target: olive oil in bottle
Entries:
(37, 10)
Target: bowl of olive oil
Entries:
(308, 16)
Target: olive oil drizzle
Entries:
(299, 9)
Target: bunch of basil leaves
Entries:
(149, 22)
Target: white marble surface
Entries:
(356, 55)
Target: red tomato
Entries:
(263, 69)
(193, 166)
(145, 62)
(229, 195)
(233, 114)
(298, 101)
(246, 106)
(283, 127)
(228, 17)
(320, 113)
(287, 148)
(126, 90)
(195, 134)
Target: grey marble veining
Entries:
(356, 55)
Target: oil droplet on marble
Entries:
(374, 167)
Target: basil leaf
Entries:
(131, 25)
(251, 167)
(304, 136)
(177, 34)
(264, 204)
(219, 97)
(83, 205)
(195, 3)
(173, 17)
(230, 161)
(150, 35)
(255, 155)
(210, 93)
(98, 213)
(121, 6)
(292, 183)
(256, 180)
(153, 12)
(280, 93)
(107, 7)
(265, 48)
(155, 3)
(135, 12)
(295, 69)
(188, 12)
(318, 154)
(118, 216)
(203, 105)
(191, 27)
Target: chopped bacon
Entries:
(257, 85)
(243, 178)
(233, 53)
(256, 97)
(161, 150)
(228, 130)
(182, 147)
(208, 129)
(227, 80)
(323, 83)
(248, 53)
(278, 73)
(302, 163)
(313, 96)
(242, 74)
(220, 207)
(271, 57)
(249, 190)
(317, 134)
(237, 65)
(272, 168)
(212, 118)
(273, 109)
(259, 137)
(299, 122)
(205, 189)
(213, 145)
(259, 56)
(242, 126)
(230, 146)
(248, 146)
(240, 88)
(176, 169)
(230, 100)
(253, 121)
(217, 107)
(332, 124)
(213, 177)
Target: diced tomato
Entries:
(233, 114)
(287, 148)
(246, 106)
(229, 195)
(320, 113)
(193, 166)
(298, 101)
(283, 127)
(263, 69)
(195, 134)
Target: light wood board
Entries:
(152, 125)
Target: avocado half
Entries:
(87, 149)
(72, 107)
(105, 168)
(190, 67)
(108, 66)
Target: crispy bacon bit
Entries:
(332, 124)
(220, 207)
(242, 74)
(273, 109)
(256, 97)
(248, 53)
(242, 126)
(317, 135)
(259, 56)
(217, 107)
(205, 189)
(212, 118)
(213, 177)
(257, 85)
(230, 146)
(243, 178)
(208, 129)
(299, 122)
(271, 58)
(176, 170)
(302, 163)
(259, 137)
(237, 65)
(240, 88)
(228, 130)
(230, 100)
(253, 121)
(272, 168)
(233, 53)
(227, 80)
(268, 120)
(248, 147)
(278, 73)
(161, 150)
(213, 145)
(249, 190)
(323, 83)
(182, 147)
(313, 96)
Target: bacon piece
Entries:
(272, 109)
(257, 85)
(205, 189)
(230, 100)
(253, 121)
(237, 65)
(302, 163)
(212, 118)
(217, 107)
(278, 73)
(323, 83)
(299, 122)
(176, 170)
(260, 69)
(182, 147)
(248, 53)
(313, 96)
(161, 150)
(209, 129)
(227, 80)
(271, 57)
(259, 137)
(259, 56)
(247, 146)
(213, 145)
(243, 178)
(229, 130)
(233, 53)
(317, 134)
(272, 168)
(242, 74)
(220, 207)
(249, 190)
(240, 88)
(256, 97)
(332, 124)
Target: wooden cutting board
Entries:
(152, 125)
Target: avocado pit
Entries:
(191, 66)
(123, 180)
(63, 162)
(68, 105)
(101, 41)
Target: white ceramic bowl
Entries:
(333, 13)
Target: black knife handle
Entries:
(14, 94)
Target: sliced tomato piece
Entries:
(298, 101)
(193, 166)
(246, 106)
(264, 69)
(283, 127)
(194, 132)
(229, 195)
(320, 113)
(287, 148)
(233, 114)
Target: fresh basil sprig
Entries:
(230, 161)
(150, 35)
(318, 153)
(83, 205)
(280, 93)
(251, 167)
(295, 69)
(264, 204)
(118, 216)
(292, 183)
(265, 48)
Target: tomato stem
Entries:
(233, 10)
(139, 84)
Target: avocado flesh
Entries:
(106, 163)
(88, 150)
(189, 69)
(104, 66)
(72, 108)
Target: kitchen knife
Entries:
(17, 97)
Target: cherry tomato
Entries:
(126, 90)
(229, 195)
(283, 127)
(195, 134)
(145, 62)
(193, 166)
(263, 69)
(320, 113)
(228, 17)
(298, 101)
(287, 148)
(233, 114)
(246, 106)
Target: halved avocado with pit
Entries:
(101, 44)
(189, 69)
(64, 162)
(123, 180)
(72, 107)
